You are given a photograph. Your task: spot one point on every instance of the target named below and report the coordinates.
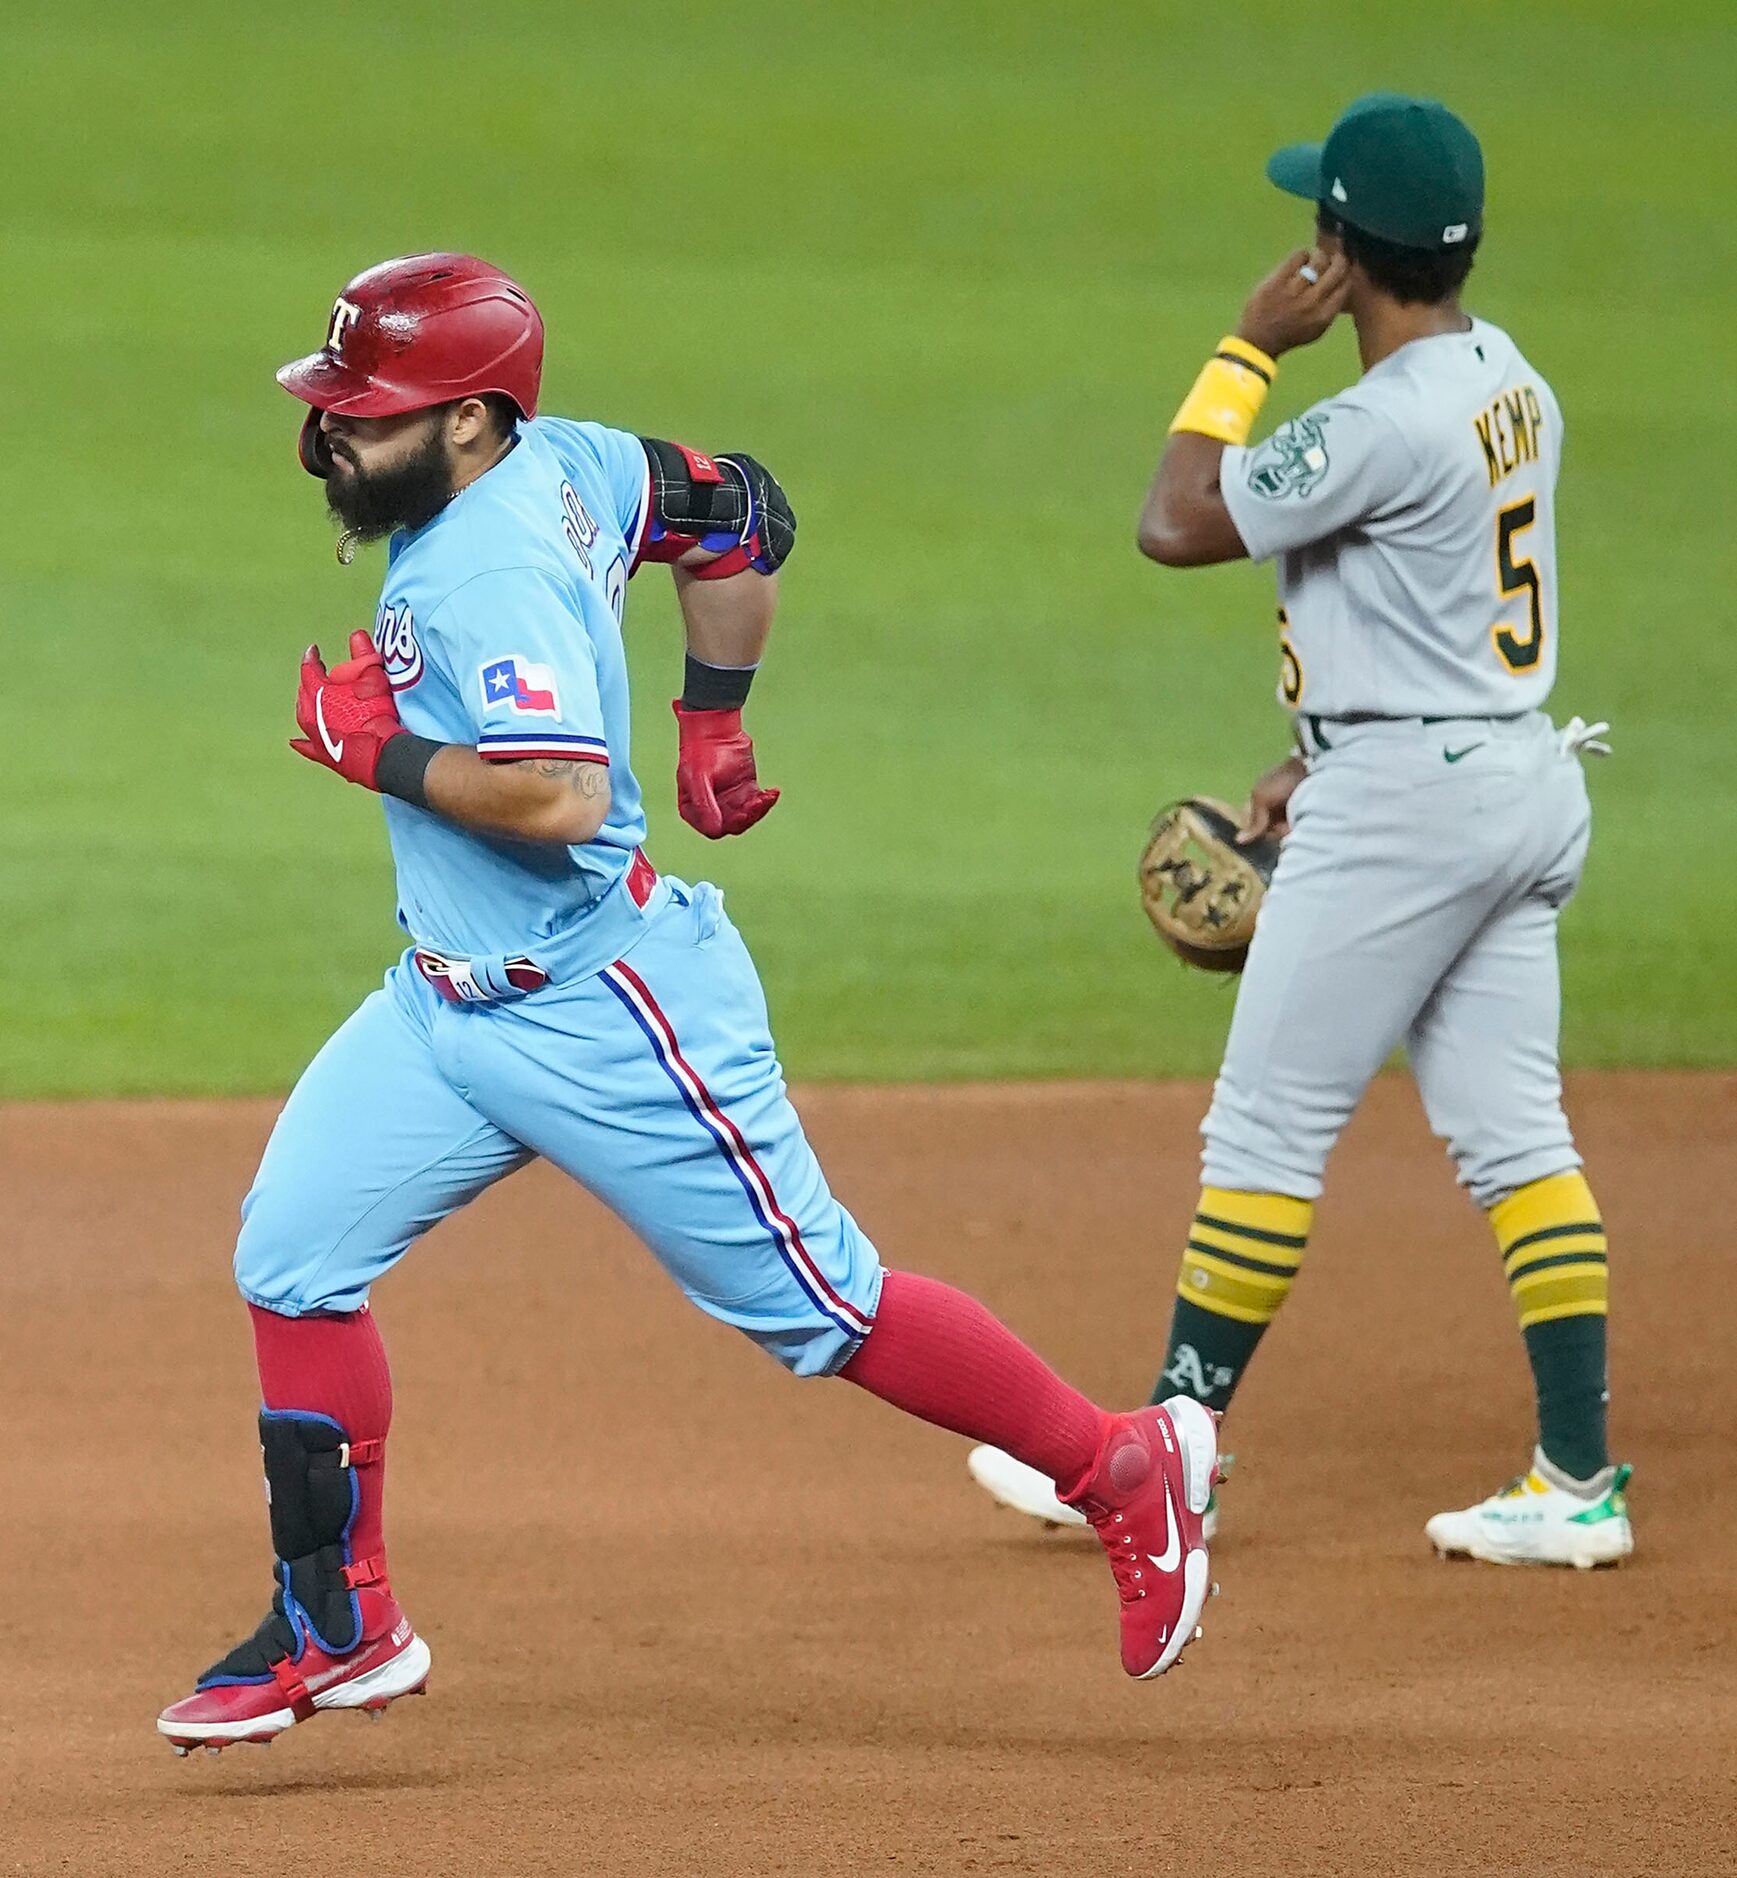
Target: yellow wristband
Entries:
(1228, 395)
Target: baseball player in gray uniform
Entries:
(1435, 820)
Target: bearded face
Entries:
(377, 485)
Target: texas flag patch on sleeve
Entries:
(521, 688)
(521, 685)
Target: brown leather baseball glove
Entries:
(1202, 891)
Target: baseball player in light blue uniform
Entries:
(490, 637)
(559, 998)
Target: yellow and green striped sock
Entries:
(1557, 1266)
(1243, 1253)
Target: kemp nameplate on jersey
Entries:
(1510, 431)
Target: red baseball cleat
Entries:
(390, 1661)
(1146, 1497)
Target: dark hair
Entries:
(503, 411)
(1406, 274)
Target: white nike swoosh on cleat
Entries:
(334, 750)
(1173, 1545)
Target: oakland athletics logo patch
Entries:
(1291, 461)
(395, 635)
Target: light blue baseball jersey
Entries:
(500, 625)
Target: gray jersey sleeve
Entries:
(1337, 464)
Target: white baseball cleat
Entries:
(1534, 1522)
(1011, 1483)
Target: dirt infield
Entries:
(690, 1616)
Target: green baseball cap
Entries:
(1405, 169)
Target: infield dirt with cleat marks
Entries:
(688, 1615)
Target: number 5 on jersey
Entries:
(1514, 575)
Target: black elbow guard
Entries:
(731, 506)
(771, 532)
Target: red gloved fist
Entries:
(347, 715)
(717, 790)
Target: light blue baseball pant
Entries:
(653, 1083)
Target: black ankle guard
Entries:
(311, 1484)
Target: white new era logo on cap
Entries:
(1455, 231)
(1339, 194)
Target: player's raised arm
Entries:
(1185, 521)
(725, 527)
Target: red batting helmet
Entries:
(418, 331)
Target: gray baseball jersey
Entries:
(1413, 519)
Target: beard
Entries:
(371, 504)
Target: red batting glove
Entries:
(717, 790)
(347, 715)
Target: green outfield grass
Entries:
(948, 269)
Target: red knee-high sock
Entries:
(938, 1354)
(333, 1366)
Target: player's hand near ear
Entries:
(1297, 301)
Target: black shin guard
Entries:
(313, 1495)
